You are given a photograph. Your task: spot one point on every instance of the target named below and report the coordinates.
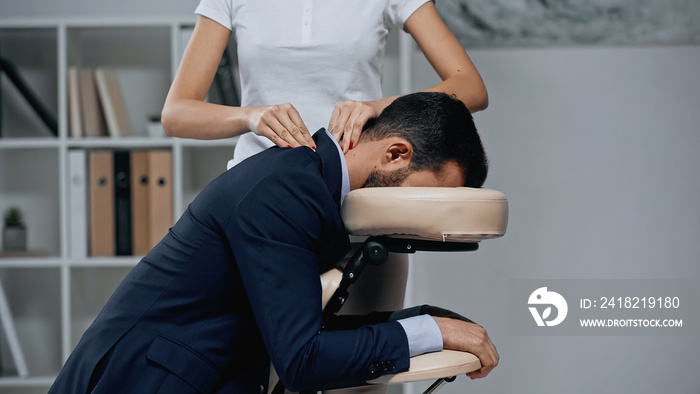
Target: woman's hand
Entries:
(281, 124)
(348, 119)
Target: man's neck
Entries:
(361, 161)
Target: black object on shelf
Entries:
(16, 79)
(225, 81)
(122, 202)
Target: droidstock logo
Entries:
(543, 297)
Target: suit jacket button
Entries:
(372, 369)
(390, 366)
(261, 389)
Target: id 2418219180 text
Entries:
(630, 303)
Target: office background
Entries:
(596, 148)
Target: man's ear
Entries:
(398, 152)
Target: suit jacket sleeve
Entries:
(275, 236)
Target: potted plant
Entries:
(14, 234)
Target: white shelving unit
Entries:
(54, 297)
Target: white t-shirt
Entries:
(310, 53)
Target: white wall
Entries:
(597, 151)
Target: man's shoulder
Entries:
(274, 160)
(280, 175)
(298, 167)
(293, 186)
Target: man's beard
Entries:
(387, 178)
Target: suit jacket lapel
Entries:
(330, 160)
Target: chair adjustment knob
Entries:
(375, 253)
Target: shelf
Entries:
(29, 143)
(188, 142)
(132, 21)
(31, 381)
(101, 262)
(132, 142)
(30, 262)
(57, 262)
(123, 142)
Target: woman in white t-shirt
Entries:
(311, 63)
(306, 63)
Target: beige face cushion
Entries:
(459, 214)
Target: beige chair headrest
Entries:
(458, 214)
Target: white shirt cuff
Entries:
(423, 334)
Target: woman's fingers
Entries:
(347, 120)
(356, 123)
(282, 124)
(339, 118)
(298, 129)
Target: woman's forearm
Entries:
(471, 91)
(447, 56)
(185, 112)
(468, 89)
(190, 118)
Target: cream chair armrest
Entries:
(435, 365)
(330, 281)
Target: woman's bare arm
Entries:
(186, 114)
(447, 56)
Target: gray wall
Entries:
(597, 151)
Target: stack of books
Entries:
(96, 104)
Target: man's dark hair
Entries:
(439, 127)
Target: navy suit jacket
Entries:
(233, 286)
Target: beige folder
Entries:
(160, 194)
(139, 203)
(101, 167)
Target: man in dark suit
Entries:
(235, 283)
